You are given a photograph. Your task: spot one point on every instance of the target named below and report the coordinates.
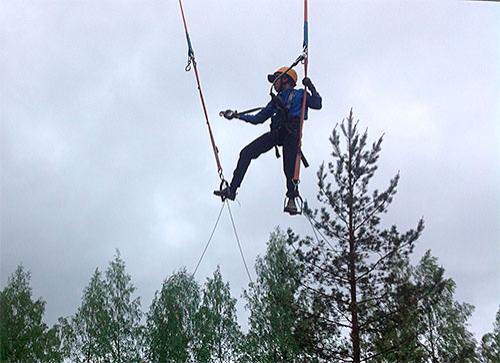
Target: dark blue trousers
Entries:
(285, 137)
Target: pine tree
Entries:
(217, 332)
(24, 337)
(275, 333)
(490, 344)
(348, 270)
(170, 320)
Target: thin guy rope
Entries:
(239, 244)
(209, 240)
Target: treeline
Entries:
(349, 293)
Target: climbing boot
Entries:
(291, 207)
(226, 193)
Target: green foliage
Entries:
(170, 320)
(394, 334)
(87, 334)
(24, 337)
(353, 288)
(432, 325)
(217, 332)
(106, 326)
(442, 321)
(276, 327)
(490, 344)
(124, 313)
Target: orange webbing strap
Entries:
(192, 61)
(296, 173)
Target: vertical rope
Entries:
(305, 45)
(192, 61)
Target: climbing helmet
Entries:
(292, 75)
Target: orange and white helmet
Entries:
(292, 75)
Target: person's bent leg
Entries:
(252, 151)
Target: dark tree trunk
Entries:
(356, 352)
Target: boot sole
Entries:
(292, 212)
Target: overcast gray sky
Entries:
(104, 146)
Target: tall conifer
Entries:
(348, 270)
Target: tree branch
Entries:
(381, 259)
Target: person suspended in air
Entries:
(284, 109)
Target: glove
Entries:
(229, 114)
(308, 83)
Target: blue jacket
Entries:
(292, 99)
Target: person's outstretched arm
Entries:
(260, 116)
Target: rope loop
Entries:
(223, 182)
(223, 185)
(304, 56)
(190, 63)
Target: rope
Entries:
(305, 45)
(313, 227)
(193, 65)
(209, 240)
(299, 59)
(192, 62)
(237, 240)
(239, 244)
